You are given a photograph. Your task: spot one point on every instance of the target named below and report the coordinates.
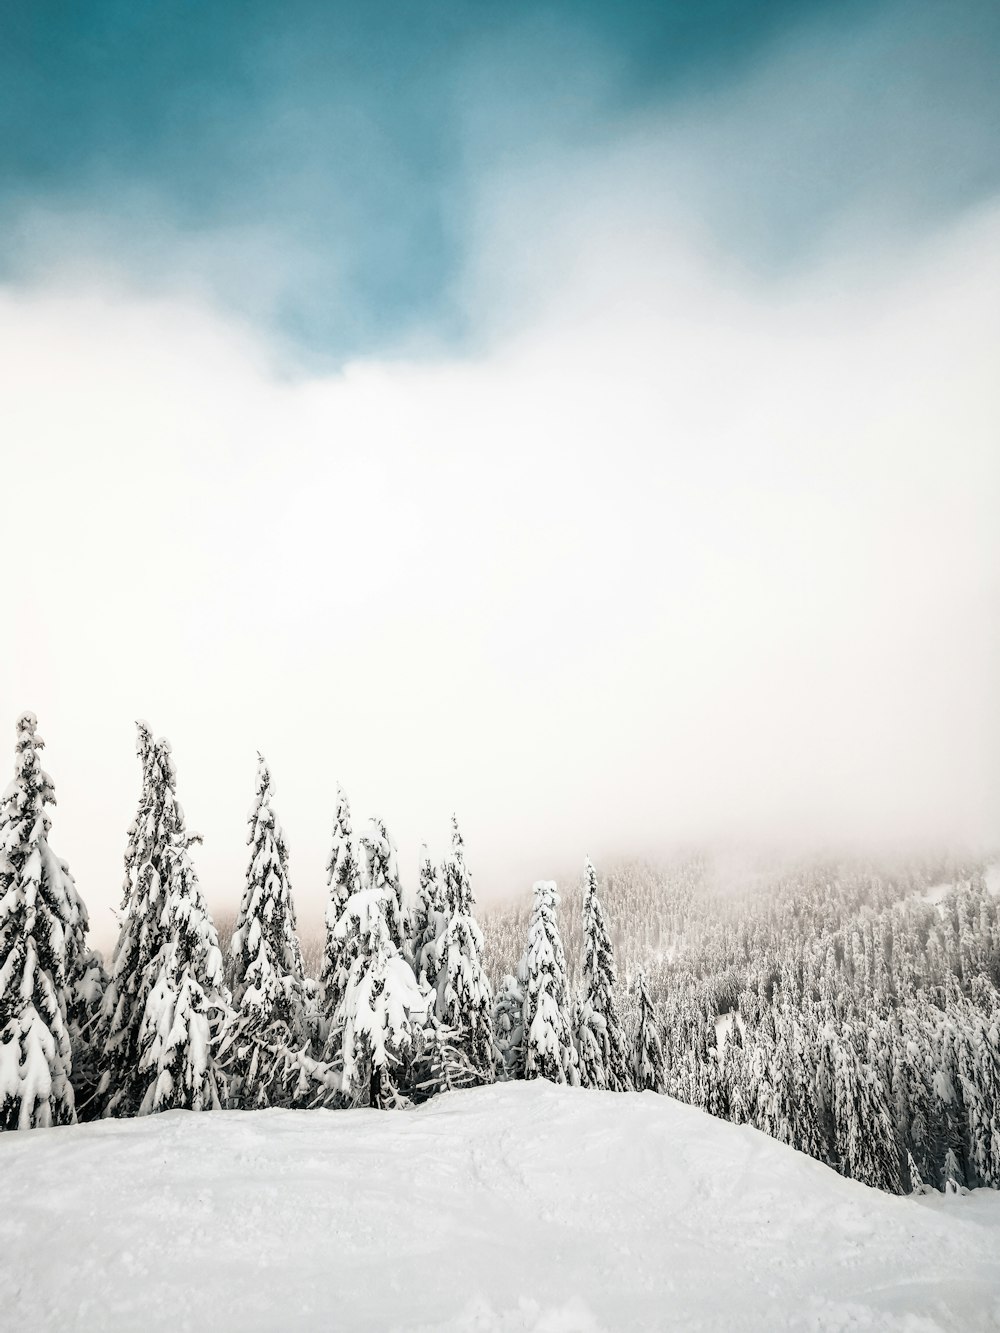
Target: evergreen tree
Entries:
(910, 1088)
(86, 981)
(947, 1110)
(547, 1041)
(380, 872)
(979, 1074)
(810, 1127)
(383, 1009)
(85, 977)
(590, 1037)
(917, 1185)
(140, 935)
(601, 1047)
(265, 958)
(716, 1099)
(142, 834)
(647, 1067)
(735, 1071)
(430, 922)
(866, 1137)
(508, 1027)
(464, 994)
(343, 879)
(36, 1058)
(166, 992)
(187, 999)
(824, 1060)
(953, 1175)
(440, 1063)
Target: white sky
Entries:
(679, 553)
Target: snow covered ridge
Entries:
(522, 1206)
(869, 1018)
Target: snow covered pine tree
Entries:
(380, 871)
(266, 964)
(865, 1137)
(547, 1041)
(383, 1006)
(344, 879)
(647, 1050)
(86, 980)
(166, 988)
(41, 930)
(508, 1026)
(464, 994)
(430, 921)
(599, 1040)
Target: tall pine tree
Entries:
(547, 1042)
(86, 981)
(508, 1027)
(430, 921)
(384, 1008)
(647, 1050)
(865, 1134)
(265, 957)
(464, 994)
(380, 871)
(166, 992)
(36, 1057)
(343, 880)
(600, 1043)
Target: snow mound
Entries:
(518, 1207)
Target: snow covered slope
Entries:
(523, 1206)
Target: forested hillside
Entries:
(847, 1008)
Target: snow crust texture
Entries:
(521, 1206)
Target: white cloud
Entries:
(681, 555)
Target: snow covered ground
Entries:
(518, 1207)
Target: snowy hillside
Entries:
(520, 1206)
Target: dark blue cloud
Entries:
(337, 145)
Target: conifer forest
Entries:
(846, 1008)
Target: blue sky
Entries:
(318, 167)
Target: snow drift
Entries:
(519, 1206)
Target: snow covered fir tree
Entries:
(464, 996)
(430, 921)
(597, 1027)
(343, 880)
(547, 1049)
(380, 874)
(49, 981)
(166, 991)
(265, 956)
(265, 960)
(383, 1005)
(849, 1010)
(647, 1052)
